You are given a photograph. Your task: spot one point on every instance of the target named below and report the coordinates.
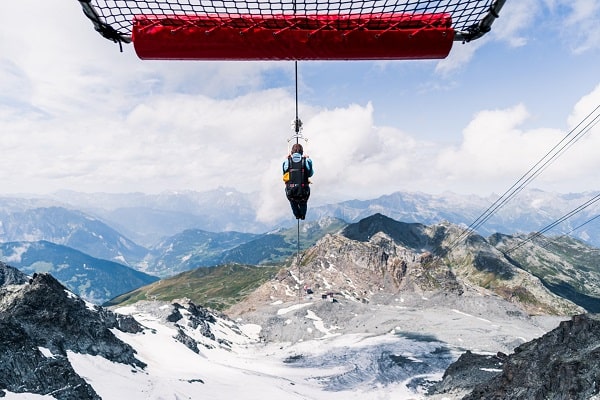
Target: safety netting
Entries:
(291, 29)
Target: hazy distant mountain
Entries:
(195, 248)
(278, 246)
(530, 211)
(93, 279)
(70, 228)
(162, 216)
(226, 209)
(148, 219)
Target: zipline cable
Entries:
(531, 174)
(582, 225)
(553, 224)
(297, 120)
(573, 229)
(526, 179)
(297, 126)
(298, 262)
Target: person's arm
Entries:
(284, 166)
(309, 167)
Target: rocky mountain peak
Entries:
(11, 276)
(40, 323)
(409, 234)
(361, 264)
(563, 363)
(379, 257)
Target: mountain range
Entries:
(396, 322)
(149, 218)
(193, 248)
(67, 227)
(94, 279)
(379, 257)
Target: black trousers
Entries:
(299, 208)
(298, 200)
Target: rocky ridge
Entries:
(40, 323)
(562, 364)
(380, 258)
(44, 328)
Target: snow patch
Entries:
(25, 396)
(251, 330)
(283, 311)
(472, 316)
(490, 369)
(320, 325)
(46, 352)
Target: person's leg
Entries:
(296, 209)
(302, 207)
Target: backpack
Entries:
(296, 188)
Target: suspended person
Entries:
(297, 168)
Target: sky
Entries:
(77, 114)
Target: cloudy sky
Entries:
(77, 114)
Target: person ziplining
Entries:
(297, 169)
(292, 30)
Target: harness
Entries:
(296, 188)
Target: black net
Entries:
(114, 18)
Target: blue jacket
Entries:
(296, 157)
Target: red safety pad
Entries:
(290, 37)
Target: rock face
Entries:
(381, 257)
(11, 276)
(562, 364)
(40, 322)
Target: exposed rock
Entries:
(201, 313)
(562, 364)
(23, 368)
(200, 318)
(187, 341)
(469, 370)
(11, 276)
(175, 315)
(381, 257)
(42, 314)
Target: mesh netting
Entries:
(131, 20)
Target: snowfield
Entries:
(330, 364)
(249, 370)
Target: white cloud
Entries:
(515, 19)
(584, 21)
(585, 107)
(496, 152)
(494, 149)
(77, 114)
(578, 21)
(460, 55)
